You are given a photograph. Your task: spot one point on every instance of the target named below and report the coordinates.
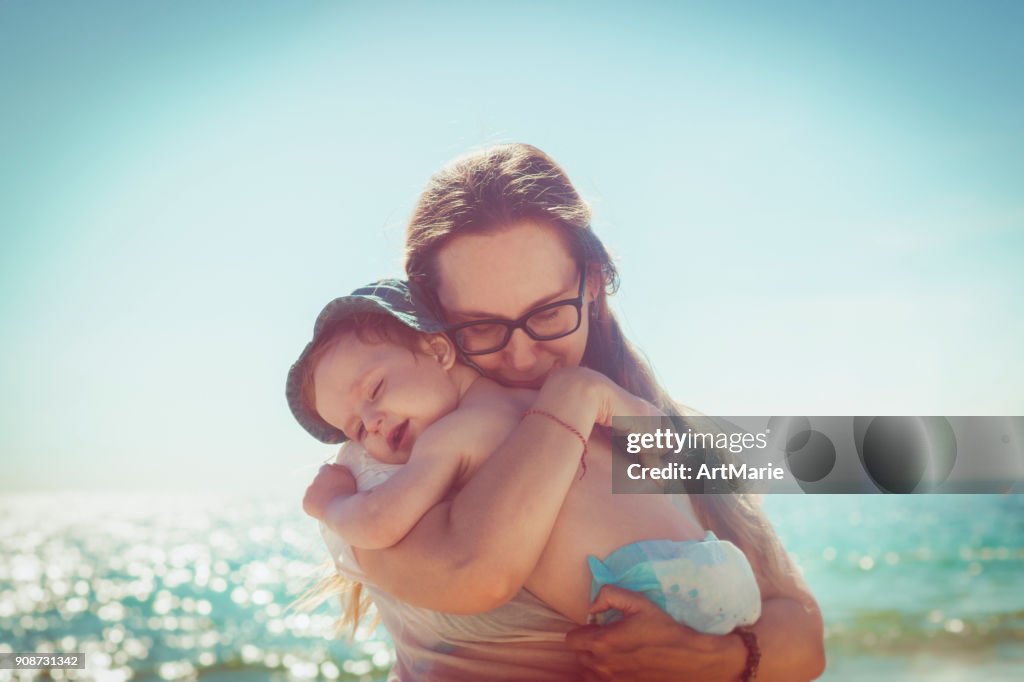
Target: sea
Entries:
(185, 587)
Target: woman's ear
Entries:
(439, 347)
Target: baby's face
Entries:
(381, 395)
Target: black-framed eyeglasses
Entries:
(543, 323)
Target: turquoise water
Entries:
(170, 587)
(179, 587)
(913, 587)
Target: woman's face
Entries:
(505, 274)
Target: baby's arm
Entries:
(380, 517)
(442, 455)
(332, 482)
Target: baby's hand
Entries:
(582, 386)
(331, 482)
(618, 402)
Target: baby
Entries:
(380, 372)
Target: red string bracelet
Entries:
(753, 653)
(583, 457)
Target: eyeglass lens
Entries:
(542, 325)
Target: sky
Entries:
(816, 208)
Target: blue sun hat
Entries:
(393, 297)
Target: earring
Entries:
(592, 310)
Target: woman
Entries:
(496, 235)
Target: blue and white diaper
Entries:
(706, 584)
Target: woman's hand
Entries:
(331, 482)
(648, 645)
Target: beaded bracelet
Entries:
(583, 457)
(753, 653)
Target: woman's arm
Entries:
(473, 552)
(790, 631)
(647, 644)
